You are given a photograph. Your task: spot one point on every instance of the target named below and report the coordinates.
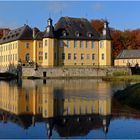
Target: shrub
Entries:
(120, 73)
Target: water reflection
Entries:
(72, 107)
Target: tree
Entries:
(98, 25)
(127, 39)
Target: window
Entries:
(102, 56)
(27, 57)
(88, 56)
(64, 33)
(45, 42)
(40, 45)
(86, 44)
(27, 108)
(13, 46)
(101, 44)
(75, 56)
(13, 57)
(82, 56)
(40, 58)
(61, 44)
(63, 56)
(81, 44)
(93, 56)
(16, 57)
(6, 58)
(75, 43)
(27, 45)
(27, 97)
(69, 56)
(45, 112)
(68, 43)
(77, 33)
(16, 45)
(89, 35)
(45, 55)
(40, 53)
(92, 43)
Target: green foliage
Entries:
(129, 96)
(120, 73)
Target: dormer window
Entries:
(64, 33)
(89, 34)
(77, 34)
(104, 32)
(48, 29)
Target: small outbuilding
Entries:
(128, 58)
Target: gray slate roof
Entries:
(66, 28)
(129, 54)
(23, 33)
(74, 26)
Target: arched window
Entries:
(27, 57)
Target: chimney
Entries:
(35, 31)
(6, 31)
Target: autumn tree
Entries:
(127, 39)
(98, 25)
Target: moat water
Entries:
(37, 109)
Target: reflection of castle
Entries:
(59, 107)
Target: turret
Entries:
(106, 32)
(49, 47)
(49, 32)
(105, 49)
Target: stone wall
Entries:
(72, 72)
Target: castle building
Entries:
(72, 41)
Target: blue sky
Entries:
(121, 15)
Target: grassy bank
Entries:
(122, 78)
(129, 96)
(105, 78)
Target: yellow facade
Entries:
(13, 52)
(124, 62)
(9, 53)
(85, 52)
(86, 49)
(38, 51)
(105, 53)
(51, 54)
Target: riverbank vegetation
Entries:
(122, 78)
(129, 96)
(7, 76)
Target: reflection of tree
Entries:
(123, 110)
